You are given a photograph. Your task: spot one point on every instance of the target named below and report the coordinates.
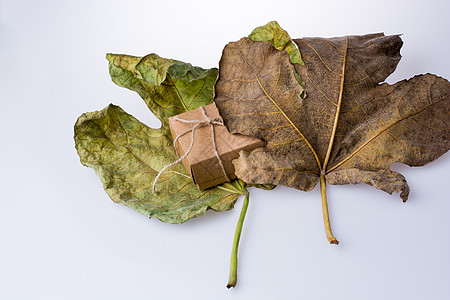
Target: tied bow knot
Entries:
(207, 121)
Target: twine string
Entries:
(198, 124)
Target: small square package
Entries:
(209, 160)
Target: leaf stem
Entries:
(237, 235)
(326, 218)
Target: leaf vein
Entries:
(321, 59)
(382, 131)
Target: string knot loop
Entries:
(207, 121)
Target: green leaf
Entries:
(280, 39)
(127, 155)
(167, 86)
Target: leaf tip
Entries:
(109, 56)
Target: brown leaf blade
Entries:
(409, 124)
(261, 166)
(385, 180)
(258, 94)
(349, 126)
(379, 124)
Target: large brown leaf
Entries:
(349, 128)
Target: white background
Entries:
(61, 237)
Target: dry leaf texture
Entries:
(127, 155)
(350, 127)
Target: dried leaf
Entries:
(127, 155)
(350, 127)
(167, 86)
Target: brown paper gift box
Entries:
(201, 162)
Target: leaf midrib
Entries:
(338, 109)
(178, 93)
